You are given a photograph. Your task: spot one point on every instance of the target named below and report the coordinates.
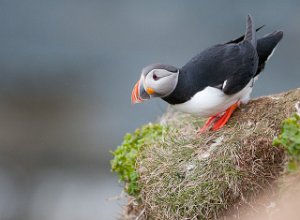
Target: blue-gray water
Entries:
(67, 70)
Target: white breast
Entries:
(212, 101)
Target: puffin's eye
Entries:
(155, 77)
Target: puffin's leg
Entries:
(225, 117)
(208, 123)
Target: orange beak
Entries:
(135, 96)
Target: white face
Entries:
(159, 82)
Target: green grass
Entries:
(289, 139)
(124, 161)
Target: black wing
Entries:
(234, 63)
(265, 46)
(241, 68)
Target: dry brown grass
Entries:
(210, 176)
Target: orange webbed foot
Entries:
(208, 123)
(218, 121)
(225, 117)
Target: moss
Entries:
(124, 161)
(289, 139)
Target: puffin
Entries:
(214, 82)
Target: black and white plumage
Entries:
(213, 80)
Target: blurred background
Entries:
(66, 73)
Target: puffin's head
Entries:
(157, 80)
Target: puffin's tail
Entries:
(250, 34)
(266, 47)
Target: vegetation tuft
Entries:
(289, 138)
(124, 161)
(180, 174)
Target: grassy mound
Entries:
(184, 175)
